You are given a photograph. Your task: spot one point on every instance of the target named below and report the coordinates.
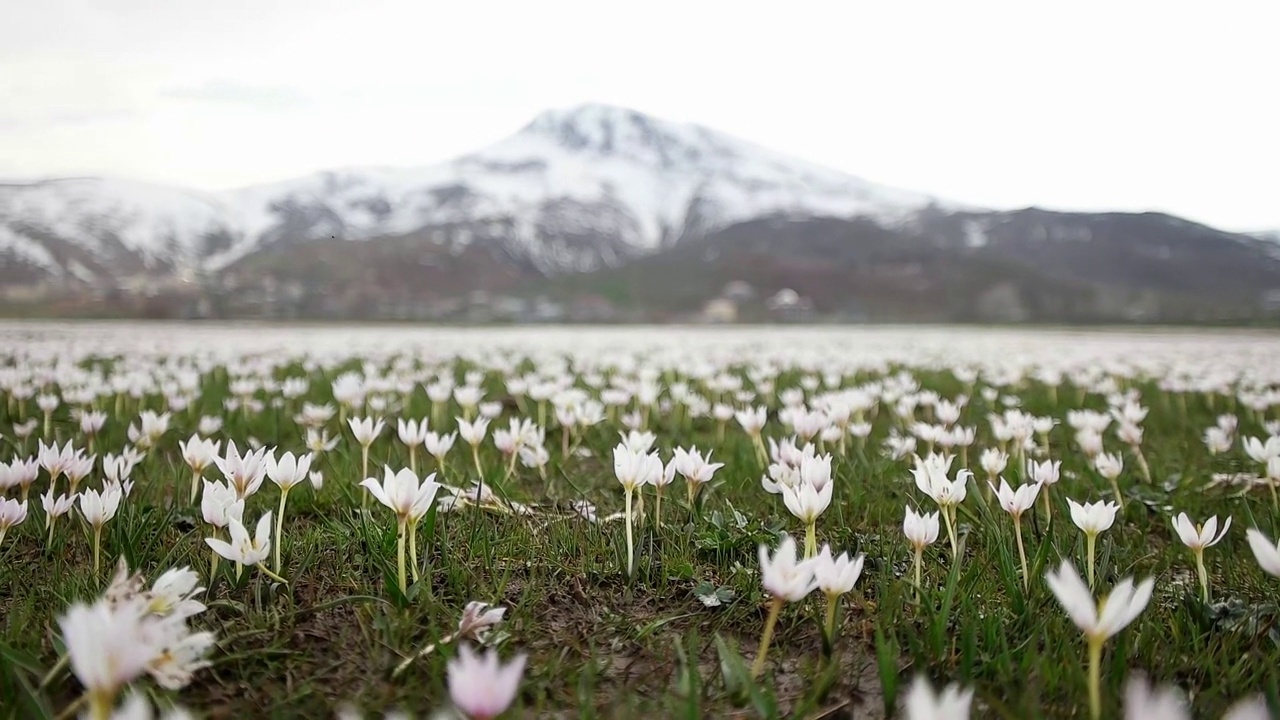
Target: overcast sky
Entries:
(1081, 105)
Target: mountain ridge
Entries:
(637, 183)
(607, 202)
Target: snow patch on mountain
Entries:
(573, 189)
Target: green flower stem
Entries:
(267, 571)
(97, 545)
(1204, 575)
(951, 532)
(916, 571)
(364, 473)
(631, 550)
(284, 496)
(400, 574)
(1022, 553)
(1095, 678)
(1115, 488)
(413, 548)
(1090, 541)
(774, 609)
(100, 705)
(1142, 463)
(830, 624)
(475, 458)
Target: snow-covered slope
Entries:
(572, 190)
(85, 226)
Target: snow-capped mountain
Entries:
(575, 189)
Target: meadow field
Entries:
(919, 522)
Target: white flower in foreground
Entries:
(1102, 619)
(783, 575)
(921, 530)
(1144, 702)
(242, 549)
(993, 461)
(786, 579)
(219, 504)
(108, 647)
(439, 445)
(410, 500)
(481, 686)
(401, 491)
(1016, 502)
(478, 619)
(1261, 451)
(209, 425)
(473, 432)
(98, 508)
(693, 467)
(411, 432)
(752, 419)
(12, 512)
(319, 442)
(173, 593)
(635, 468)
(807, 502)
(365, 430)
(950, 704)
(1093, 518)
(182, 653)
(1044, 473)
(54, 507)
(1217, 440)
(288, 470)
(931, 478)
(836, 576)
(1254, 708)
(244, 472)
(1199, 537)
(197, 453)
(1098, 620)
(1266, 552)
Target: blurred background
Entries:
(555, 162)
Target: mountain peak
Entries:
(612, 131)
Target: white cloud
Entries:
(1089, 105)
